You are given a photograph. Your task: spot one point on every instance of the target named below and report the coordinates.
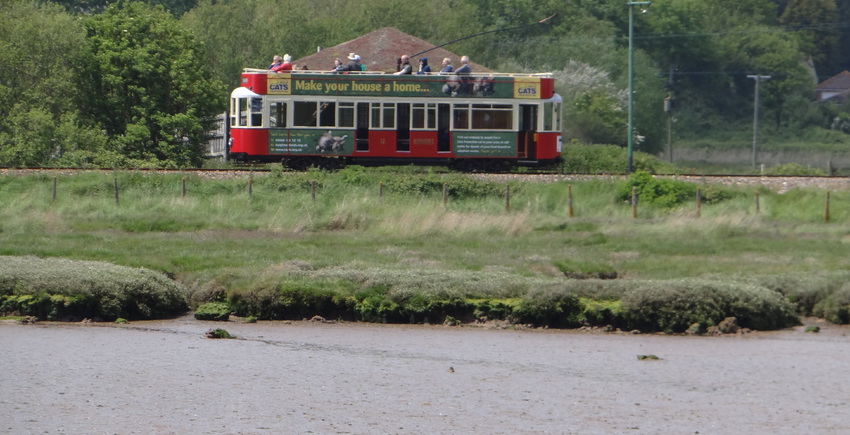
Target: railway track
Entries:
(776, 183)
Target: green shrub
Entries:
(274, 299)
(658, 191)
(609, 159)
(57, 288)
(549, 308)
(601, 313)
(672, 306)
(836, 306)
(218, 311)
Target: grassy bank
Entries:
(387, 246)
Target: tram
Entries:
(475, 122)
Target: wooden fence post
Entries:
(826, 208)
(54, 189)
(445, 194)
(115, 183)
(313, 190)
(570, 200)
(507, 198)
(634, 202)
(699, 202)
(758, 206)
(381, 191)
(183, 185)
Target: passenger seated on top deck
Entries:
(276, 62)
(405, 67)
(464, 69)
(285, 66)
(338, 68)
(354, 63)
(424, 68)
(447, 66)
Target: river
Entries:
(165, 377)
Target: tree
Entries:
(176, 7)
(39, 121)
(817, 20)
(147, 85)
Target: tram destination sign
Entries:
(377, 85)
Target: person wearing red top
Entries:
(285, 66)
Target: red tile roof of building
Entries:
(379, 51)
(840, 81)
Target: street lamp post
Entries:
(757, 78)
(631, 137)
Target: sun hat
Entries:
(352, 56)
(357, 57)
(287, 58)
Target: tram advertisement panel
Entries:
(484, 144)
(328, 142)
(408, 86)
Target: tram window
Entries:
(557, 115)
(492, 116)
(234, 112)
(277, 115)
(547, 116)
(389, 115)
(256, 112)
(461, 117)
(327, 118)
(376, 115)
(243, 112)
(424, 116)
(346, 115)
(305, 113)
(417, 119)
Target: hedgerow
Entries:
(58, 288)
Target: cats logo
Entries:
(280, 85)
(527, 87)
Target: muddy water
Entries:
(165, 378)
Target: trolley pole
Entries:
(631, 137)
(757, 78)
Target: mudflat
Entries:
(165, 377)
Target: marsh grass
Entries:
(408, 255)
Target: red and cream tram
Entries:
(469, 122)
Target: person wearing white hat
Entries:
(353, 64)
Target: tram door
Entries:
(526, 143)
(362, 135)
(444, 112)
(403, 127)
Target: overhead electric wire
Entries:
(484, 33)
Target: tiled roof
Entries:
(838, 82)
(379, 51)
